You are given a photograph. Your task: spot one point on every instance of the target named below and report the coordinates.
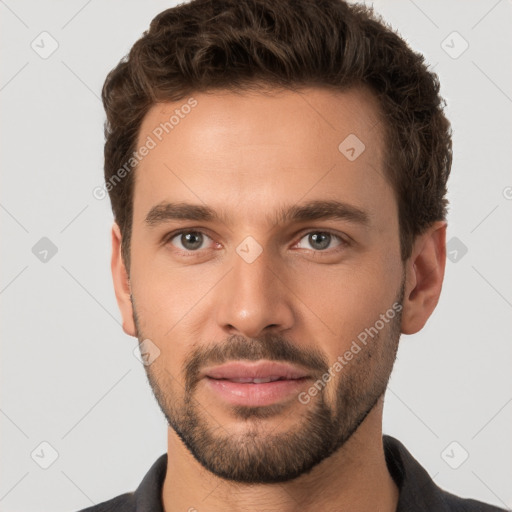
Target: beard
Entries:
(256, 453)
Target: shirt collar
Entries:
(417, 490)
(148, 496)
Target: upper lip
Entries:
(255, 370)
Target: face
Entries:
(265, 243)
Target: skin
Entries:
(247, 155)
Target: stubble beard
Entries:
(259, 453)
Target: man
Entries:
(277, 172)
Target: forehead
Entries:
(245, 152)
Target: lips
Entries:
(256, 373)
(246, 380)
(255, 384)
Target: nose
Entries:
(254, 298)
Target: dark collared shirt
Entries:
(418, 492)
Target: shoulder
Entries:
(458, 504)
(145, 497)
(417, 490)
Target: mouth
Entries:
(256, 372)
(249, 380)
(255, 384)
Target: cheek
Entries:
(167, 294)
(168, 305)
(346, 300)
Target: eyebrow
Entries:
(312, 210)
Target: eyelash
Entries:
(342, 242)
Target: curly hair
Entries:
(248, 44)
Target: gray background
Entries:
(68, 374)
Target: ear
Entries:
(424, 277)
(122, 283)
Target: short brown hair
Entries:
(237, 44)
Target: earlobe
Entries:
(121, 283)
(424, 277)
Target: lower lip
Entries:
(254, 395)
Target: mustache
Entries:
(237, 347)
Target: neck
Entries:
(355, 478)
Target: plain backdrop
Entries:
(69, 378)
